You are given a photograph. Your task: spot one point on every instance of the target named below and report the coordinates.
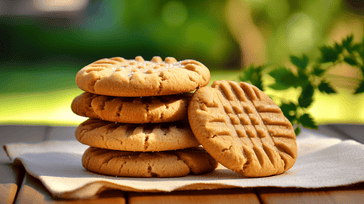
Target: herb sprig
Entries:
(308, 76)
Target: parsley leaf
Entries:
(325, 87)
(306, 97)
(285, 79)
(300, 62)
(360, 89)
(309, 78)
(254, 75)
(347, 43)
(307, 121)
(338, 48)
(289, 110)
(297, 130)
(317, 71)
(329, 54)
(361, 50)
(351, 61)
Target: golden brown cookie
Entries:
(148, 164)
(137, 78)
(146, 137)
(132, 109)
(243, 129)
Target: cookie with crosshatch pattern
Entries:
(148, 164)
(153, 109)
(243, 129)
(138, 78)
(147, 137)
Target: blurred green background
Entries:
(45, 42)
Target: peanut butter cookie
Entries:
(132, 109)
(243, 129)
(148, 164)
(137, 78)
(146, 137)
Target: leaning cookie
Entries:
(138, 78)
(243, 129)
(148, 164)
(146, 137)
(132, 109)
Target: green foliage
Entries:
(329, 54)
(301, 63)
(254, 76)
(308, 76)
(360, 89)
(306, 97)
(307, 121)
(284, 79)
(345, 52)
(325, 87)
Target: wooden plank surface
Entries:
(32, 191)
(201, 197)
(12, 175)
(352, 194)
(10, 181)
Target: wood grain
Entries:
(350, 194)
(12, 175)
(10, 181)
(16, 184)
(202, 197)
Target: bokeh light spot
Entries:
(64, 5)
(301, 33)
(174, 13)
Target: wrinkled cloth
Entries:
(322, 161)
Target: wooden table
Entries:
(16, 186)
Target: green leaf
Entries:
(253, 75)
(329, 54)
(300, 62)
(338, 48)
(303, 78)
(351, 61)
(278, 73)
(356, 47)
(279, 86)
(362, 70)
(289, 110)
(360, 89)
(325, 87)
(317, 71)
(307, 121)
(246, 74)
(347, 43)
(361, 51)
(288, 106)
(306, 97)
(292, 80)
(297, 130)
(285, 79)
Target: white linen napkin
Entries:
(322, 161)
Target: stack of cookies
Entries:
(138, 117)
(144, 121)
